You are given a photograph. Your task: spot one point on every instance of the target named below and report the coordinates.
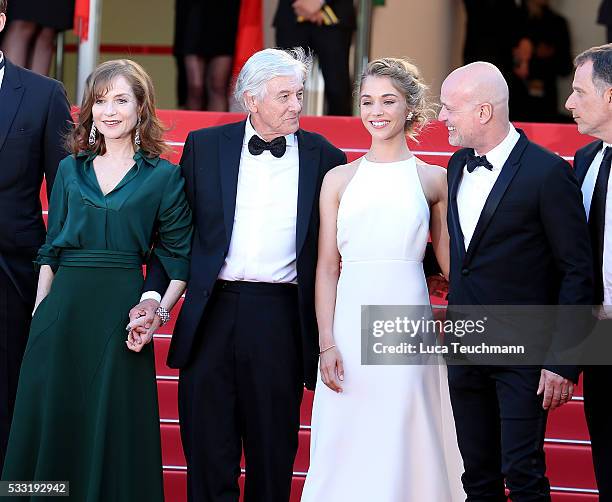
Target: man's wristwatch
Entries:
(163, 314)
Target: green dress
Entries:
(86, 409)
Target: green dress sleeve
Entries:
(48, 254)
(173, 246)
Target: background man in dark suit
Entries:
(492, 41)
(34, 116)
(518, 236)
(591, 106)
(246, 339)
(604, 16)
(325, 27)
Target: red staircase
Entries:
(570, 468)
(568, 451)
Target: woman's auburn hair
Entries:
(97, 85)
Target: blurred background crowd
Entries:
(189, 46)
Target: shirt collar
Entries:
(139, 157)
(498, 155)
(604, 146)
(249, 131)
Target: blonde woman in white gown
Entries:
(380, 433)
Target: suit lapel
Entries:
(309, 156)
(455, 226)
(230, 150)
(509, 170)
(586, 159)
(11, 93)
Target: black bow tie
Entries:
(277, 146)
(473, 161)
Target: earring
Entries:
(137, 135)
(92, 135)
(409, 116)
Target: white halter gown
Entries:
(389, 436)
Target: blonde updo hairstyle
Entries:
(406, 79)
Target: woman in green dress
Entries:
(86, 409)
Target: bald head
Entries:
(474, 102)
(479, 82)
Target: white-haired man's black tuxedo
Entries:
(245, 348)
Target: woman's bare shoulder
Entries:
(340, 175)
(433, 172)
(433, 181)
(343, 171)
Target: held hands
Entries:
(332, 369)
(139, 335)
(143, 324)
(557, 390)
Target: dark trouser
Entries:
(242, 389)
(331, 45)
(596, 388)
(15, 317)
(500, 429)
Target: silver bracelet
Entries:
(327, 348)
(163, 314)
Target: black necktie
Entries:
(597, 219)
(277, 146)
(2, 63)
(473, 161)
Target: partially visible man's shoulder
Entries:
(543, 156)
(30, 78)
(543, 163)
(459, 154)
(589, 146)
(320, 139)
(214, 131)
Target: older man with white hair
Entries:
(246, 339)
(518, 236)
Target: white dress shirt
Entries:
(588, 186)
(262, 247)
(2, 70)
(475, 187)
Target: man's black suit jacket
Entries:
(344, 10)
(531, 244)
(34, 119)
(604, 14)
(584, 158)
(210, 165)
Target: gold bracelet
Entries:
(327, 348)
